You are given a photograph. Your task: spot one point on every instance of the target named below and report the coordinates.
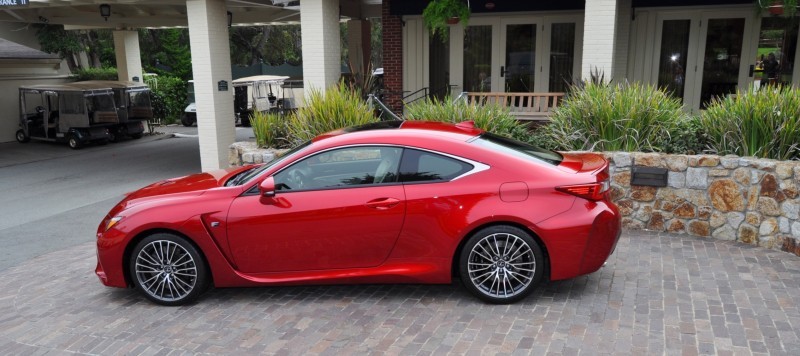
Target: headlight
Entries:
(113, 221)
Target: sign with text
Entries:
(13, 3)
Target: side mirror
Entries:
(267, 187)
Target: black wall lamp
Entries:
(230, 19)
(105, 11)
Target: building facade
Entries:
(697, 50)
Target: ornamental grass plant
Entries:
(336, 108)
(613, 117)
(492, 118)
(763, 123)
(270, 130)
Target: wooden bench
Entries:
(526, 106)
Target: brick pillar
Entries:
(129, 59)
(392, 58)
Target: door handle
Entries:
(752, 69)
(502, 71)
(383, 203)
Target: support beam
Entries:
(319, 27)
(129, 59)
(599, 37)
(358, 45)
(211, 63)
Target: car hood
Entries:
(176, 188)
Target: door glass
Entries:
(777, 43)
(353, 166)
(520, 58)
(722, 58)
(673, 58)
(562, 56)
(478, 58)
(439, 67)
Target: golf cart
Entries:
(133, 105)
(66, 113)
(189, 116)
(260, 93)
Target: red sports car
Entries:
(392, 202)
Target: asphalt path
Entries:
(52, 198)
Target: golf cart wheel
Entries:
(73, 142)
(112, 136)
(22, 137)
(187, 120)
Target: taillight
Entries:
(590, 191)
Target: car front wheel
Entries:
(501, 264)
(168, 269)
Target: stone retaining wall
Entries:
(754, 201)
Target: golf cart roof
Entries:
(116, 84)
(90, 89)
(277, 79)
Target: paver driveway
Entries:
(659, 294)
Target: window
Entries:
(421, 166)
(518, 149)
(72, 103)
(344, 167)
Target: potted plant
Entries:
(441, 13)
(778, 7)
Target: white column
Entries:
(319, 28)
(599, 35)
(129, 59)
(211, 63)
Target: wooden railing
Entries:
(526, 106)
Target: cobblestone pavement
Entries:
(659, 294)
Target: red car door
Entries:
(345, 213)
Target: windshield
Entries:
(247, 175)
(103, 102)
(518, 149)
(140, 99)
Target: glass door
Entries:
(673, 58)
(478, 58)
(722, 54)
(561, 56)
(518, 74)
(775, 54)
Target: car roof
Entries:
(421, 129)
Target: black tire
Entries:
(22, 137)
(246, 121)
(174, 278)
(501, 257)
(187, 120)
(73, 142)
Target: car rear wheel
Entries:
(501, 264)
(168, 270)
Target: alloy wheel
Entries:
(166, 271)
(501, 265)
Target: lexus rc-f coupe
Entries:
(392, 202)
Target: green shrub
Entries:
(106, 73)
(270, 130)
(339, 107)
(763, 123)
(492, 118)
(168, 98)
(689, 136)
(621, 117)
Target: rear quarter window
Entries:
(518, 149)
(421, 166)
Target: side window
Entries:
(421, 166)
(344, 167)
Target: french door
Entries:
(701, 56)
(525, 54)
